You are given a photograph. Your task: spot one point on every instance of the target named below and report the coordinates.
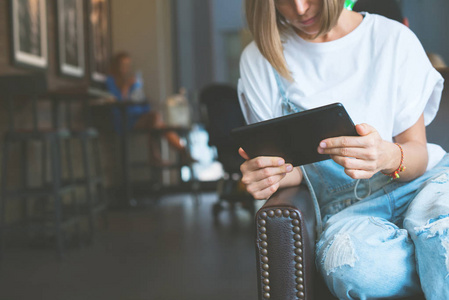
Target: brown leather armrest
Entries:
(285, 245)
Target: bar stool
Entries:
(26, 88)
(92, 179)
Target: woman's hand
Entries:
(262, 175)
(364, 155)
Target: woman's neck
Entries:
(347, 22)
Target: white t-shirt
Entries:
(379, 71)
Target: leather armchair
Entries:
(285, 248)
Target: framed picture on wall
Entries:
(29, 33)
(100, 38)
(70, 37)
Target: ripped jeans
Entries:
(394, 243)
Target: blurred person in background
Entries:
(123, 84)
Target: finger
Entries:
(262, 174)
(343, 142)
(359, 153)
(356, 164)
(243, 154)
(364, 129)
(265, 183)
(265, 162)
(266, 193)
(359, 174)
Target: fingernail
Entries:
(281, 162)
(320, 150)
(323, 145)
(289, 168)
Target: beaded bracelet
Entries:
(395, 174)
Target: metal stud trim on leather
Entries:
(263, 254)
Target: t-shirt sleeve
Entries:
(255, 86)
(419, 84)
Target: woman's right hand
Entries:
(262, 175)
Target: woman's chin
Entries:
(306, 34)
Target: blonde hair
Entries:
(267, 24)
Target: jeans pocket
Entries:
(334, 207)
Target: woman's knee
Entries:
(368, 232)
(369, 253)
(428, 213)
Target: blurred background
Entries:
(118, 177)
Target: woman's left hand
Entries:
(361, 156)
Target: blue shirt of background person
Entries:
(122, 85)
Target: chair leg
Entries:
(97, 157)
(5, 159)
(71, 179)
(195, 184)
(157, 174)
(101, 197)
(74, 199)
(88, 187)
(44, 161)
(25, 184)
(56, 180)
(40, 205)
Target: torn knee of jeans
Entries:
(437, 226)
(339, 253)
(443, 178)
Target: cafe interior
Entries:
(138, 196)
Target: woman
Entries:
(122, 84)
(384, 196)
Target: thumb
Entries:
(364, 129)
(243, 154)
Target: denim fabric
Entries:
(386, 244)
(381, 238)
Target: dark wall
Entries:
(437, 130)
(194, 43)
(429, 20)
(55, 81)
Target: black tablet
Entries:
(295, 137)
